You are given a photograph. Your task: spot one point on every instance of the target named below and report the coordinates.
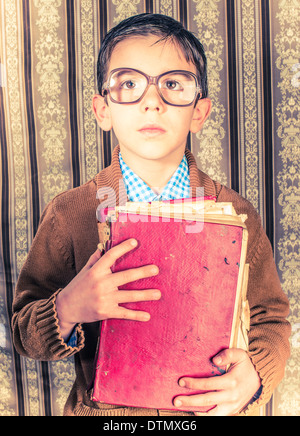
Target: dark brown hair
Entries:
(167, 29)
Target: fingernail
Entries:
(218, 360)
(182, 383)
(146, 317)
(177, 403)
(155, 270)
(133, 242)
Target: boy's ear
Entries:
(201, 113)
(102, 113)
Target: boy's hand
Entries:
(229, 393)
(93, 295)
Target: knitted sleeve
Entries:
(48, 268)
(269, 330)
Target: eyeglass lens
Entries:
(128, 86)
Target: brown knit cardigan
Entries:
(66, 238)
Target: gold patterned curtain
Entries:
(50, 142)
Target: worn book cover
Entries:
(200, 249)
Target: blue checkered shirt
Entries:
(137, 190)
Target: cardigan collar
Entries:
(110, 185)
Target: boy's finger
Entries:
(132, 315)
(137, 296)
(112, 255)
(208, 399)
(131, 275)
(93, 259)
(207, 384)
(229, 356)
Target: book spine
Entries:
(98, 363)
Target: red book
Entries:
(201, 277)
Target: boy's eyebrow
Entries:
(135, 69)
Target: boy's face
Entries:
(150, 129)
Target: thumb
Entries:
(229, 356)
(93, 259)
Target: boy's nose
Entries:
(152, 100)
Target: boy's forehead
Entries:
(149, 53)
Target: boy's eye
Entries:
(172, 85)
(128, 84)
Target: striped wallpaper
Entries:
(50, 142)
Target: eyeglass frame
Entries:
(153, 80)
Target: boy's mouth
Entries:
(152, 130)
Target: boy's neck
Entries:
(156, 173)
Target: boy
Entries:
(152, 92)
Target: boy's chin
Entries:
(155, 151)
(158, 156)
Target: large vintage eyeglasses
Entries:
(176, 88)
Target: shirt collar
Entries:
(137, 190)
